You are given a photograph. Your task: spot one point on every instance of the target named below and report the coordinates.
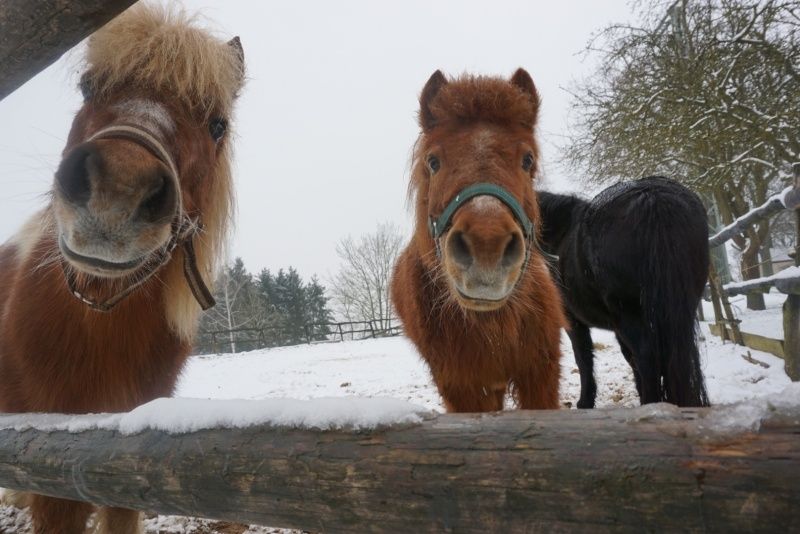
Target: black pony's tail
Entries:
(678, 272)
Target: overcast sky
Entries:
(328, 117)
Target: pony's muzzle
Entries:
(484, 254)
(115, 204)
(144, 192)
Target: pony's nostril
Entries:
(513, 251)
(159, 202)
(72, 176)
(459, 250)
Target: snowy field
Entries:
(391, 368)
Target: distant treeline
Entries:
(282, 305)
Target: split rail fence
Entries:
(244, 339)
(789, 284)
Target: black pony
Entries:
(634, 260)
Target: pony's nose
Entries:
(490, 250)
(72, 177)
(460, 250)
(144, 191)
(159, 200)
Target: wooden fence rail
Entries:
(788, 200)
(788, 285)
(643, 469)
(35, 33)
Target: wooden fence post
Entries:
(791, 308)
(729, 319)
(35, 33)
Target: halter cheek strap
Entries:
(183, 229)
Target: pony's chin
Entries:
(480, 304)
(98, 266)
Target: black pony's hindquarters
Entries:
(634, 260)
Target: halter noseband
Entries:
(439, 225)
(183, 229)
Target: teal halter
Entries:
(439, 226)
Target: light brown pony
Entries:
(473, 292)
(143, 189)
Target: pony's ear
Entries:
(523, 81)
(426, 118)
(236, 44)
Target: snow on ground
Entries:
(387, 367)
(391, 368)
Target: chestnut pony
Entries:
(472, 288)
(98, 294)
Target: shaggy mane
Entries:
(483, 98)
(160, 48)
(182, 310)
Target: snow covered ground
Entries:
(391, 368)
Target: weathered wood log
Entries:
(35, 33)
(644, 469)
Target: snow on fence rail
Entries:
(786, 281)
(728, 468)
(788, 199)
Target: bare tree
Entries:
(361, 287)
(236, 306)
(704, 91)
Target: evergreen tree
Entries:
(317, 313)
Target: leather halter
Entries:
(183, 229)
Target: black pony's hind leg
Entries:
(582, 347)
(629, 357)
(635, 335)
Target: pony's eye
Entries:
(85, 86)
(217, 128)
(527, 162)
(434, 164)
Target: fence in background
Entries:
(244, 339)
